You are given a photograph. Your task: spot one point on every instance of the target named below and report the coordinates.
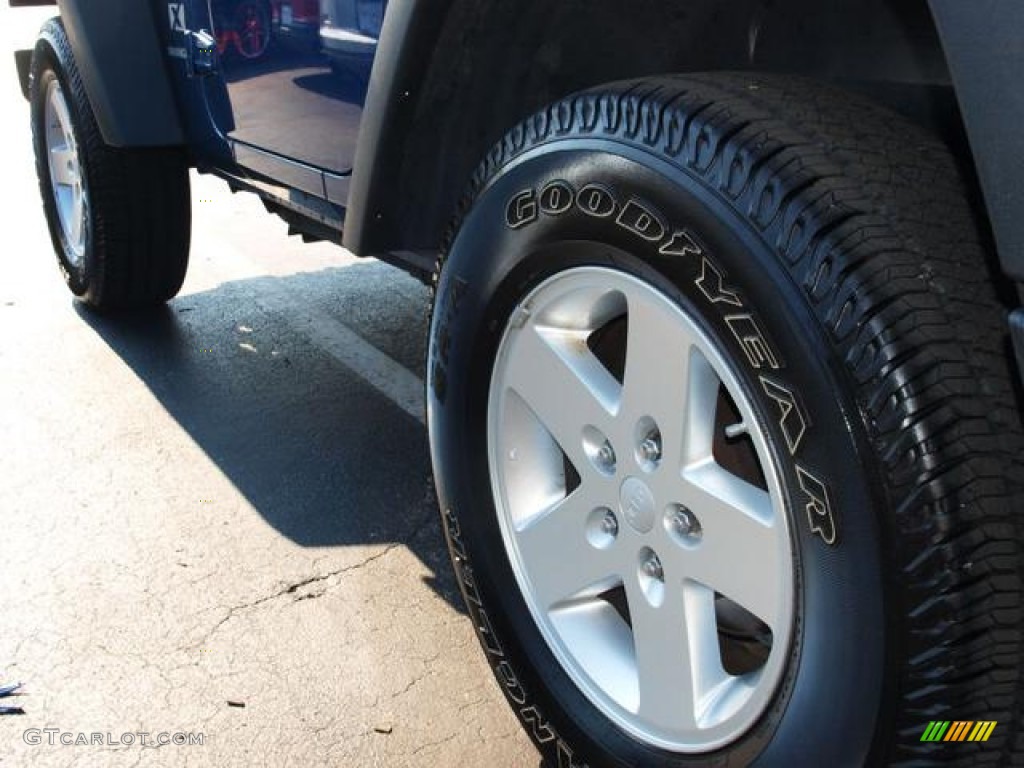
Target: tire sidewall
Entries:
(826, 704)
(51, 65)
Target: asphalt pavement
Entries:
(216, 520)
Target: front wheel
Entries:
(119, 219)
(724, 434)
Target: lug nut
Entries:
(682, 522)
(652, 568)
(602, 528)
(610, 524)
(650, 449)
(651, 576)
(599, 450)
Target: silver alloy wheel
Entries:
(654, 515)
(66, 177)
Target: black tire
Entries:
(846, 233)
(137, 215)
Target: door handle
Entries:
(202, 53)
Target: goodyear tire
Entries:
(724, 435)
(119, 219)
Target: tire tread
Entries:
(872, 218)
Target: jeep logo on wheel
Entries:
(637, 504)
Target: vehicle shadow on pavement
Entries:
(325, 458)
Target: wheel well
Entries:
(495, 63)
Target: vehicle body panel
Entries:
(408, 35)
(985, 52)
(118, 49)
(291, 100)
(353, 134)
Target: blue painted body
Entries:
(284, 99)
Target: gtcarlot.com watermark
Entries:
(56, 736)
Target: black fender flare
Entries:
(977, 40)
(117, 45)
(410, 32)
(980, 40)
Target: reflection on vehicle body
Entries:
(296, 73)
(349, 34)
(243, 27)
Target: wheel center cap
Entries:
(637, 504)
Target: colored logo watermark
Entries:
(958, 730)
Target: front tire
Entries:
(724, 433)
(119, 219)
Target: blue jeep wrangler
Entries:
(724, 411)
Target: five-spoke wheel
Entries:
(660, 576)
(69, 188)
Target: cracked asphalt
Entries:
(225, 503)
